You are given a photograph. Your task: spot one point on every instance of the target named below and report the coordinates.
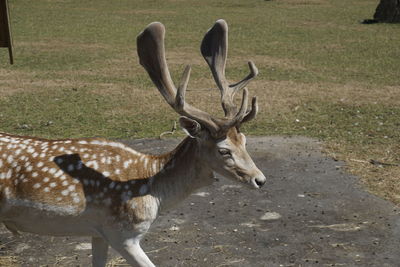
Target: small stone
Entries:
(269, 216)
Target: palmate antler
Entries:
(151, 51)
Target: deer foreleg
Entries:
(129, 248)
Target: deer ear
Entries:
(189, 126)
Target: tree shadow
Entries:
(99, 188)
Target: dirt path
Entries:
(310, 213)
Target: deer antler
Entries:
(214, 49)
(151, 51)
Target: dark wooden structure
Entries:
(5, 29)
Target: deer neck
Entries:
(184, 172)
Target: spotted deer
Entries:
(112, 193)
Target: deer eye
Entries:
(224, 152)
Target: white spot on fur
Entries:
(58, 173)
(7, 192)
(71, 188)
(126, 164)
(93, 164)
(10, 159)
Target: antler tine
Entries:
(238, 118)
(251, 114)
(253, 73)
(180, 95)
(151, 51)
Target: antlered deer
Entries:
(106, 190)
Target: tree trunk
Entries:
(5, 31)
(388, 11)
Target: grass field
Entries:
(322, 73)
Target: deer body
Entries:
(97, 179)
(106, 190)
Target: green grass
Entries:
(322, 73)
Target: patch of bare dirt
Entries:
(55, 45)
(306, 2)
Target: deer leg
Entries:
(132, 252)
(99, 252)
(129, 248)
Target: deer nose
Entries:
(260, 181)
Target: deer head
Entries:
(221, 144)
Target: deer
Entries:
(112, 193)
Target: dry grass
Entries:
(380, 179)
(9, 261)
(306, 2)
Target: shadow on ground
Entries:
(310, 213)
